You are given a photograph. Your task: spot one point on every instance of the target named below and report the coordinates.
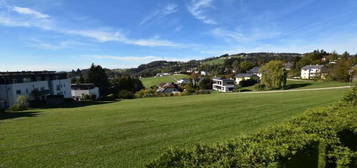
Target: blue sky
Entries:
(70, 34)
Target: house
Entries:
(36, 85)
(168, 88)
(288, 66)
(204, 73)
(312, 72)
(183, 81)
(162, 74)
(84, 89)
(223, 85)
(255, 71)
(243, 76)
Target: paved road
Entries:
(294, 90)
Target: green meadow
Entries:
(154, 81)
(130, 133)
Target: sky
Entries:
(68, 34)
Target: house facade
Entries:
(312, 72)
(34, 84)
(223, 85)
(84, 89)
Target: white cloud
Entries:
(167, 10)
(247, 36)
(32, 18)
(106, 36)
(28, 11)
(197, 9)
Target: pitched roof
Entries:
(254, 70)
(241, 75)
(312, 67)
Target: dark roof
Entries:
(27, 73)
(254, 70)
(241, 75)
(312, 67)
(82, 86)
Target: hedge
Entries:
(320, 137)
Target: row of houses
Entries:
(40, 85)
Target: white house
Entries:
(84, 89)
(34, 85)
(243, 76)
(162, 74)
(223, 85)
(183, 81)
(255, 71)
(311, 71)
(204, 73)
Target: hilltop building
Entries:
(36, 85)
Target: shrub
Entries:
(248, 82)
(21, 104)
(321, 137)
(259, 87)
(124, 94)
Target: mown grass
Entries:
(305, 84)
(154, 81)
(130, 133)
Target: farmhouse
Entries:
(312, 72)
(162, 74)
(36, 85)
(223, 85)
(243, 76)
(84, 89)
(168, 88)
(255, 71)
(183, 81)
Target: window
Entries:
(18, 92)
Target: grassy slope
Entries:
(148, 82)
(132, 132)
(307, 84)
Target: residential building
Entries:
(168, 88)
(312, 72)
(243, 76)
(162, 74)
(36, 85)
(223, 85)
(204, 73)
(84, 89)
(183, 81)
(255, 71)
(288, 66)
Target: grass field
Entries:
(153, 81)
(130, 133)
(306, 84)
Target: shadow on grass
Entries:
(79, 104)
(11, 115)
(297, 85)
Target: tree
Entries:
(273, 75)
(127, 83)
(340, 71)
(97, 75)
(245, 66)
(205, 84)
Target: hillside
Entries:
(130, 133)
(154, 81)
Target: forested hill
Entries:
(152, 68)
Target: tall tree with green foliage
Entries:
(97, 75)
(273, 75)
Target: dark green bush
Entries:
(321, 137)
(125, 94)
